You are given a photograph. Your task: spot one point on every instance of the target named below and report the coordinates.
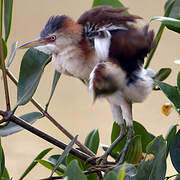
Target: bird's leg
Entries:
(117, 116)
(127, 112)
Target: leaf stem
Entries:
(6, 90)
(45, 113)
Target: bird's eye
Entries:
(53, 38)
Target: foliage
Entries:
(147, 154)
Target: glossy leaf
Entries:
(54, 158)
(111, 176)
(92, 140)
(178, 81)
(162, 74)
(13, 52)
(170, 136)
(171, 92)
(175, 9)
(170, 23)
(6, 175)
(159, 34)
(154, 169)
(50, 166)
(4, 50)
(34, 162)
(139, 130)
(175, 151)
(55, 81)
(32, 66)
(71, 157)
(12, 128)
(134, 152)
(8, 6)
(64, 154)
(113, 3)
(73, 172)
(2, 161)
(125, 171)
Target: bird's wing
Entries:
(104, 15)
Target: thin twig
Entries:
(11, 117)
(6, 90)
(45, 113)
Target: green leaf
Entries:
(153, 169)
(134, 152)
(4, 50)
(113, 3)
(170, 136)
(34, 162)
(139, 130)
(92, 140)
(178, 81)
(70, 157)
(32, 67)
(12, 128)
(170, 23)
(2, 161)
(73, 172)
(64, 154)
(54, 158)
(55, 80)
(162, 74)
(50, 166)
(6, 175)
(8, 6)
(159, 34)
(175, 151)
(175, 12)
(13, 52)
(171, 92)
(111, 176)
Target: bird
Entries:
(105, 49)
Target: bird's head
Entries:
(59, 32)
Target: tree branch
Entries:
(9, 116)
(45, 113)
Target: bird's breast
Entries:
(71, 61)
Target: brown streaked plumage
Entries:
(106, 51)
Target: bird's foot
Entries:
(99, 160)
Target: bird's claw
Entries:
(99, 160)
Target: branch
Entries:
(9, 116)
(6, 90)
(45, 113)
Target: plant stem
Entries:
(11, 117)
(6, 90)
(159, 34)
(45, 113)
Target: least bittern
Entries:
(105, 50)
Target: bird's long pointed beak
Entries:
(38, 42)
